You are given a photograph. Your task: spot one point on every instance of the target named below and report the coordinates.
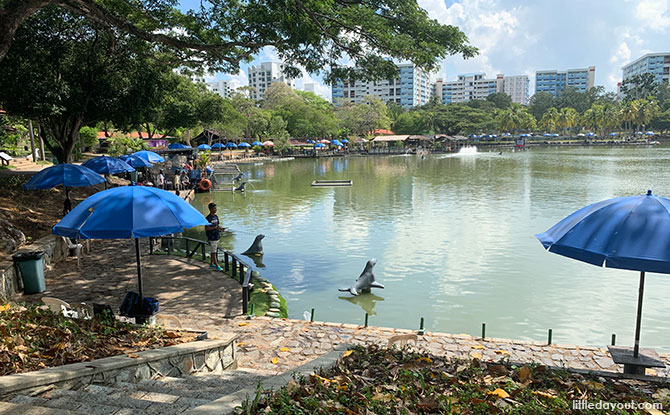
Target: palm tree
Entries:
(509, 119)
(593, 117)
(646, 111)
(611, 117)
(627, 113)
(567, 118)
(549, 120)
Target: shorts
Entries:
(213, 245)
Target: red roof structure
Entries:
(382, 131)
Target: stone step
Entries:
(8, 408)
(65, 405)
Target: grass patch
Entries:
(373, 380)
(7, 167)
(34, 338)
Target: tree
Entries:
(66, 73)
(567, 118)
(627, 113)
(220, 34)
(646, 110)
(500, 100)
(365, 117)
(638, 86)
(540, 103)
(549, 120)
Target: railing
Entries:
(233, 265)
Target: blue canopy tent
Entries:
(135, 161)
(257, 143)
(204, 147)
(108, 165)
(319, 145)
(67, 175)
(218, 145)
(630, 233)
(345, 141)
(129, 212)
(244, 145)
(178, 146)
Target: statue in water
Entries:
(365, 281)
(256, 248)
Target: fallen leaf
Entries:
(525, 374)
(243, 324)
(4, 307)
(171, 335)
(240, 344)
(478, 346)
(426, 359)
(347, 353)
(502, 352)
(382, 397)
(274, 360)
(284, 349)
(476, 355)
(133, 355)
(500, 393)
(543, 394)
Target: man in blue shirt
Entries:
(213, 231)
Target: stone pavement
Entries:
(208, 300)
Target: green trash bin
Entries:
(31, 267)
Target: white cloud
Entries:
(653, 14)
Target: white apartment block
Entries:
(410, 89)
(261, 77)
(223, 88)
(466, 88)
(516, 86)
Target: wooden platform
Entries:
(332, 183)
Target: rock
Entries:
(272, 292)
(274, 310)
(11, 238)
(271, 314)
(275, 304)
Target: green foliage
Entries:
(13, 133)
(638, 86)
(540, 103)
(120, 144)
(500, 100)
(365, 117)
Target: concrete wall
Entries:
(56, 250)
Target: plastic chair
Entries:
(402, 340)
(58, 306)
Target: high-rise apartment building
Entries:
(223, 88)
(466, 88)
(657, 64)
(261, 77)
(516, 86)
(555, 82)
(410, 89)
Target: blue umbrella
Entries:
(231, 145)
(554, 135)
(179, 146)
(129, 212)
(68, 175)
(590, 134)
(611, 134)
(204, 147)
(218, 145)
(336, 143)
(257, 143)
(243, 144)
(630, 232)
(149, 156)
(547, 135)
(310, 141)
(344, 140)
(649, 133)
(319, 145)
(135, 161)
(108, 165)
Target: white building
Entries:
(466, 88)
(410, 89)
(223, 88)
(657, 64)
(516, 86)
(263, 76)
(309, 87)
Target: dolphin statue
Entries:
(256, 248)
(241, 187)
(365, 281)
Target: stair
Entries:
(160, 396)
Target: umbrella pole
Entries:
(139, 265)
(636, 349)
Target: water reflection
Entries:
(367, 302)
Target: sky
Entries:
(521, 37)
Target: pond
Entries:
(454, 240)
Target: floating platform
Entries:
(331, 183)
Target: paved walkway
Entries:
(209, 300)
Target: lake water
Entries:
(454, 240)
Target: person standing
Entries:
(161, 180)
(213, 231)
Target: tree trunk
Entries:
(11, 17)
(65, 133)
(39, 136)
(187, 136)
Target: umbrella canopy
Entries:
(108, 165)
(649, 133)
(319, 145)
(580, 135)
(554, 135)
(269, 144)
(336, 143)
(611, 134)
(204, 147)
(324, 141)
(244, 145)
(178, 146)
(309, 141)
(149, 156)
(68, 175)
(129, 212)
(256, 143)
(231, 145)
(135, 161)
(344, 140)
(218, 145)
(590, 134)
(625, 232)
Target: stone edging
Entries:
(227, 404)
(207, 356)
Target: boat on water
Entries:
(520, 143)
